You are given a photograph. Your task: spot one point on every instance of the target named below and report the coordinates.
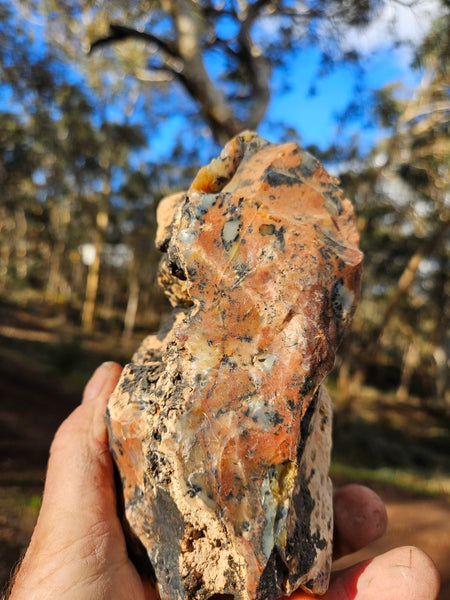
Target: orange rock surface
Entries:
(220, 427)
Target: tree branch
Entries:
(119, 33)
(256, 65)
(214, 107)
(183, 57)
(155, 74)
(406, 279)
(422, 111)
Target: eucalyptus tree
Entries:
(187, 71)
(62, 158)
(206, 60)
(402, 197)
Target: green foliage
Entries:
(401, 197)
(35, 501)
(388, 109)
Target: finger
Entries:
(97, 391)
(80, 471)
(404, 573)
(359, 518)
(100, 378)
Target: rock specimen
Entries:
(220, 427)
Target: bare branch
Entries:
(155, 74)
(256, 65)
(120, 32)
(421, 111)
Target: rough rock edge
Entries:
(308, 512)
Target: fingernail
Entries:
(97, 382)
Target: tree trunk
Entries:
(406, 279)
(441, 357)
(404, 283)
(54, 274)
(183, 58)
(21, 243)
(213, 105)
(5, 254)
(132, 305)
(216, 110)
(76, 278)
(110, 291)
(87, 317)
(6, 226)
(441, 335)
(410, 358)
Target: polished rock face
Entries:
(220, 428)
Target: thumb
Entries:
(404, 573)
(79, 488)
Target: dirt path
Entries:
(33, 405)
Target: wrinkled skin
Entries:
(78, 548)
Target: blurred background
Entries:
(106, 107)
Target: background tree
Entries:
(64, 158)
(98, 84)
(402, 197)
(107, 106)
(211, 62)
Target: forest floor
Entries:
(43, 367)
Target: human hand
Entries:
(78, 549)
(404, 573)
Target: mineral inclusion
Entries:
(220, 427)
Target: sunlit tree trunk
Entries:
(410, 359)
(76, 276)
(6, 226)
(87, 317)
(21, 243)
(403, 286)
(132, 304)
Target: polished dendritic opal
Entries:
(220, 428)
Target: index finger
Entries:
(359, 518)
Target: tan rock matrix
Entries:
(220, 428)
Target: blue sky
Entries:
(314, 116)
